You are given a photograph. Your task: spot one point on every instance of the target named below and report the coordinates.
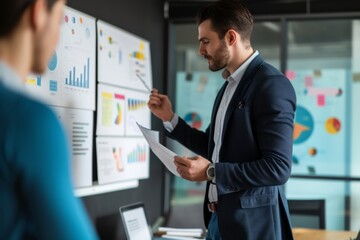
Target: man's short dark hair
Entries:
(11, 12)
(225, 15)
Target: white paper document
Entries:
(182, 233)
(165, 155)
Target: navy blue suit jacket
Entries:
(255, 157)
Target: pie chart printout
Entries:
(194, 120)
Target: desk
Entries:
(318, 234)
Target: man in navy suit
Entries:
(246, 152)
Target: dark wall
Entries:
(185, 10)
(145, 19)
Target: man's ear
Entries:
(38, 14)
(231, 36)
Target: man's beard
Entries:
(220, 59)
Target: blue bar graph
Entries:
(82, 80)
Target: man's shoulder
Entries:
(18, 106)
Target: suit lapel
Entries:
(214, 112)
(237, 98)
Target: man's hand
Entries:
(193, 169)
(160, 106)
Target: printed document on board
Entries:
(164, 154)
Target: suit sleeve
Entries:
(186, 135)
(43, 167)
(272, 126)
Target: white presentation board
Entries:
(121, 57)
(70, 78)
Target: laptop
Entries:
(135, 222)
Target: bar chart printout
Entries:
(82, 80)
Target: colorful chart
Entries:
(193, 119)
(136, 112)
(332, 125)
(303, 126)
(111, 111)
(138, 154)
(118, 117)
(122, 159)
(81, 80)
(136, 104)
(122, 56)
(320, 139)
(34, 81)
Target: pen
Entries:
(143, 82)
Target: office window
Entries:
(266, 38)
(322, 67)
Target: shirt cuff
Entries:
(170, 125)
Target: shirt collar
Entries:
(10, 79)
(238, 74)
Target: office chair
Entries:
(307, 213)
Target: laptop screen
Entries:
(135, 222)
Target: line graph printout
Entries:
(123, 58)
(79, 127)
(70, 78)
(122, 159)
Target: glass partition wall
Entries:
(321, 57)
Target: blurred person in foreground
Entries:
(37, 199)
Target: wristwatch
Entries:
(210, 172)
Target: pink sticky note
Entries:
(321, 100)
(309, 81)
(290, 74)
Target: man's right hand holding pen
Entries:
(160, 105)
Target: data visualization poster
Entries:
(122, 159)
(110, 111)
(79, 127)
(119, 109)
(70, 78)
(320, 121)
(124, 84)
(123, 58)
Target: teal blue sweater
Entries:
(36, 193)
